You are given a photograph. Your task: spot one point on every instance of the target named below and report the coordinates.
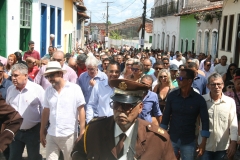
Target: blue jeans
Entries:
(30, 138)
(218, 155)
(187, 151)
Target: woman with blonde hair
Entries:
(163, 88)
(127, 69)
(12, 59)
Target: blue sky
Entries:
(119, 10)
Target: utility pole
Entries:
(90, 23)
(143, 24)
(106, 44)
(107, 18)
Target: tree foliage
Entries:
(115, 35)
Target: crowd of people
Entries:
(182, 102)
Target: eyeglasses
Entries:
(230, 87)
(209, 65)
(50, 76)
(125, 107)
(181, 78)
(30, 62)
(134, 69)
(158, 68)
(59, 60)
(165, 63)
(214, 84)
(161, 77)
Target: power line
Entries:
(107, 18)
(125, 8)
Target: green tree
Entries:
(115, 35)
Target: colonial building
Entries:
(147, 34)
(199, 25)
(24, 20)
(229, 37)
(165, 24)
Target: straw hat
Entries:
(54, 66)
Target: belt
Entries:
(25, 130)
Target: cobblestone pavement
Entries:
(43, 152)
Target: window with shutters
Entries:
(25, 14)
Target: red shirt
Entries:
(32, 72)
(80, 71)
(34, 54)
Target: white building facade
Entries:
(34, 20)
(165, 25)
(229, 37)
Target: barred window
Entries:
(25, 14)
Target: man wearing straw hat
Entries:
(63, 106)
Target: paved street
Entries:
(43, 152)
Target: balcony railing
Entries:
(167, 9)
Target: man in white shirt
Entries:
(178, 61)
(207, 68)
(27, 98)
(63, 106)
(222, 67)
(223, 123)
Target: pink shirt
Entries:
(70, 76)
(3, 60)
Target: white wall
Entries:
(229, 8)
(134, 43)
(13, 23)
(170, 26)
(146, 35)
(203, 28)
(36, 21)
(13, 26)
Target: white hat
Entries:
(54, 66)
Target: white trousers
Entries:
(56, 144)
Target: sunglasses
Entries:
(50, 76)
(29, 62)
(158, 68)
(134, 69)
(181, 78)
(214, 84)
(125, 107)
(161, 77)
(166, 63)
(230, 87)
(129, 64)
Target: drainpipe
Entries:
(219, 23)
